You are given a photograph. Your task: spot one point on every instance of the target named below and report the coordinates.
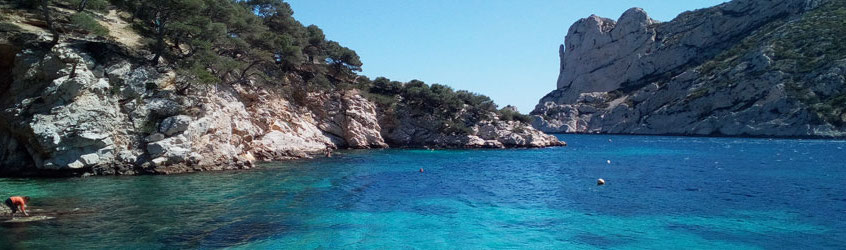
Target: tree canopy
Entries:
(246, 41)
(236, 40)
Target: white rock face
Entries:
(67, 112)
(348, 118)
(62, 118)
(594, 45)
(601, 55)
(639, 76)
(72, 123)
(362, 126)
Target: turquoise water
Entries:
(661, 192)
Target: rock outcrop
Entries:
(743, 68)
(420, 130)
(89, 107)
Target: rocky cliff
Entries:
(743, 68)
(93, 107)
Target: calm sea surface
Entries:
(661, 192)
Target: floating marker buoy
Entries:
(609, 140)
(608, 161)
(600, 182)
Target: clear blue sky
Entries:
(505, 49)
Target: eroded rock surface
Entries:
(743, 68)
(72, 109)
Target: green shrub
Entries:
(202, 75)
(319, 82)
(456, 111)
(455, 128)
(385, 87)
(87, 23)
(384, 101)
(511, 115)
(832, 110)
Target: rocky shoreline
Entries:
(89, 107)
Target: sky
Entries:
(505, 49)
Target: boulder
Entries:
(76, 165)
(154, 137)
(90, 159)
(162, 107)
(160, 161)
(174, 124)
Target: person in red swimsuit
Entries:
(16, 202)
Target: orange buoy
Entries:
(600, 182)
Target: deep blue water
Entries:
(661, 192)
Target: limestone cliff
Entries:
(92, 107)
(747, 67)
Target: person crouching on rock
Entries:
(16, 202)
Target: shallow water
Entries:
(661, 192)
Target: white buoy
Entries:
(608, 161)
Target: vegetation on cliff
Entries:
(258, 42)
(456, 111)
(799, 47)
(742, 68)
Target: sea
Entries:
(659, 193)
